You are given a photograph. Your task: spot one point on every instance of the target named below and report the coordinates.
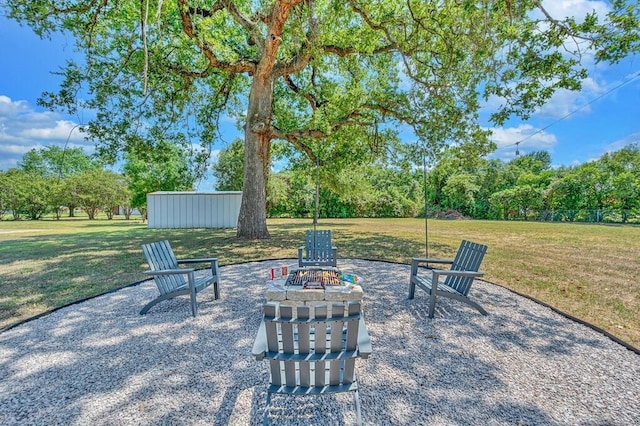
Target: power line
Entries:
(627, 81)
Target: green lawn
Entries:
(589, 271)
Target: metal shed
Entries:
(193, 209)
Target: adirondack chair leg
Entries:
(154, 302)
(214, 271)
(192, 288)
(160, 299)
(432, 306)
(265, 417)
(476, 306)
(412, 290)
(412, 286)
(356, 397)
(432, 295)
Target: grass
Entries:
(589, 271)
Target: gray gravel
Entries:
(100, 363)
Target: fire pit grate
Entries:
(314, 278)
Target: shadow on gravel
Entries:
(100, 362)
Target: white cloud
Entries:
(623, 142)
(9, 108)
(22, 129)
(18, 149)
(506, 138)
(565, 102)
(214, 155)
(62, 130)
(560, 9)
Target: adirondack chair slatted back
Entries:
(468, 258)
(309, 353)
(160, 257)
(318, 246)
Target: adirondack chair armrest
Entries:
(204, 260)
(416, 261)
(260, 344)
(457, 273)
(419, 260)
(170, 271)
(364, 342)
(211, 260)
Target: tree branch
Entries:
(315, 103)
(295, 140)
(303, 56)
(374, 26)
(276, 21)
(246, 23)
(190, 30)
(297, 137)
(346, 51)
(559, 24)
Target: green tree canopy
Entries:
(97, 190)
(53, 161)
(566, 193)
(228, 169)
(4, 188)
(321, 75)
(169, 167)
(59, 163)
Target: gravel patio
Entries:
(100, 363)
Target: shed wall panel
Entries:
(193, 210)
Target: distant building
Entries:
(193, 209)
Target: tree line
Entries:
(396, 185)
(392, 184)
(56, 181)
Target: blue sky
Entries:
(578, 126)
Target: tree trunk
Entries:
(252, 220)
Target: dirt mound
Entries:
(450, 214)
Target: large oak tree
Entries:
(323, 75)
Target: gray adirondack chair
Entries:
(310, 354)
(318, 250)
(459, 277)
(173, 281)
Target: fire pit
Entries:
(314, 278)
(308, 285)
